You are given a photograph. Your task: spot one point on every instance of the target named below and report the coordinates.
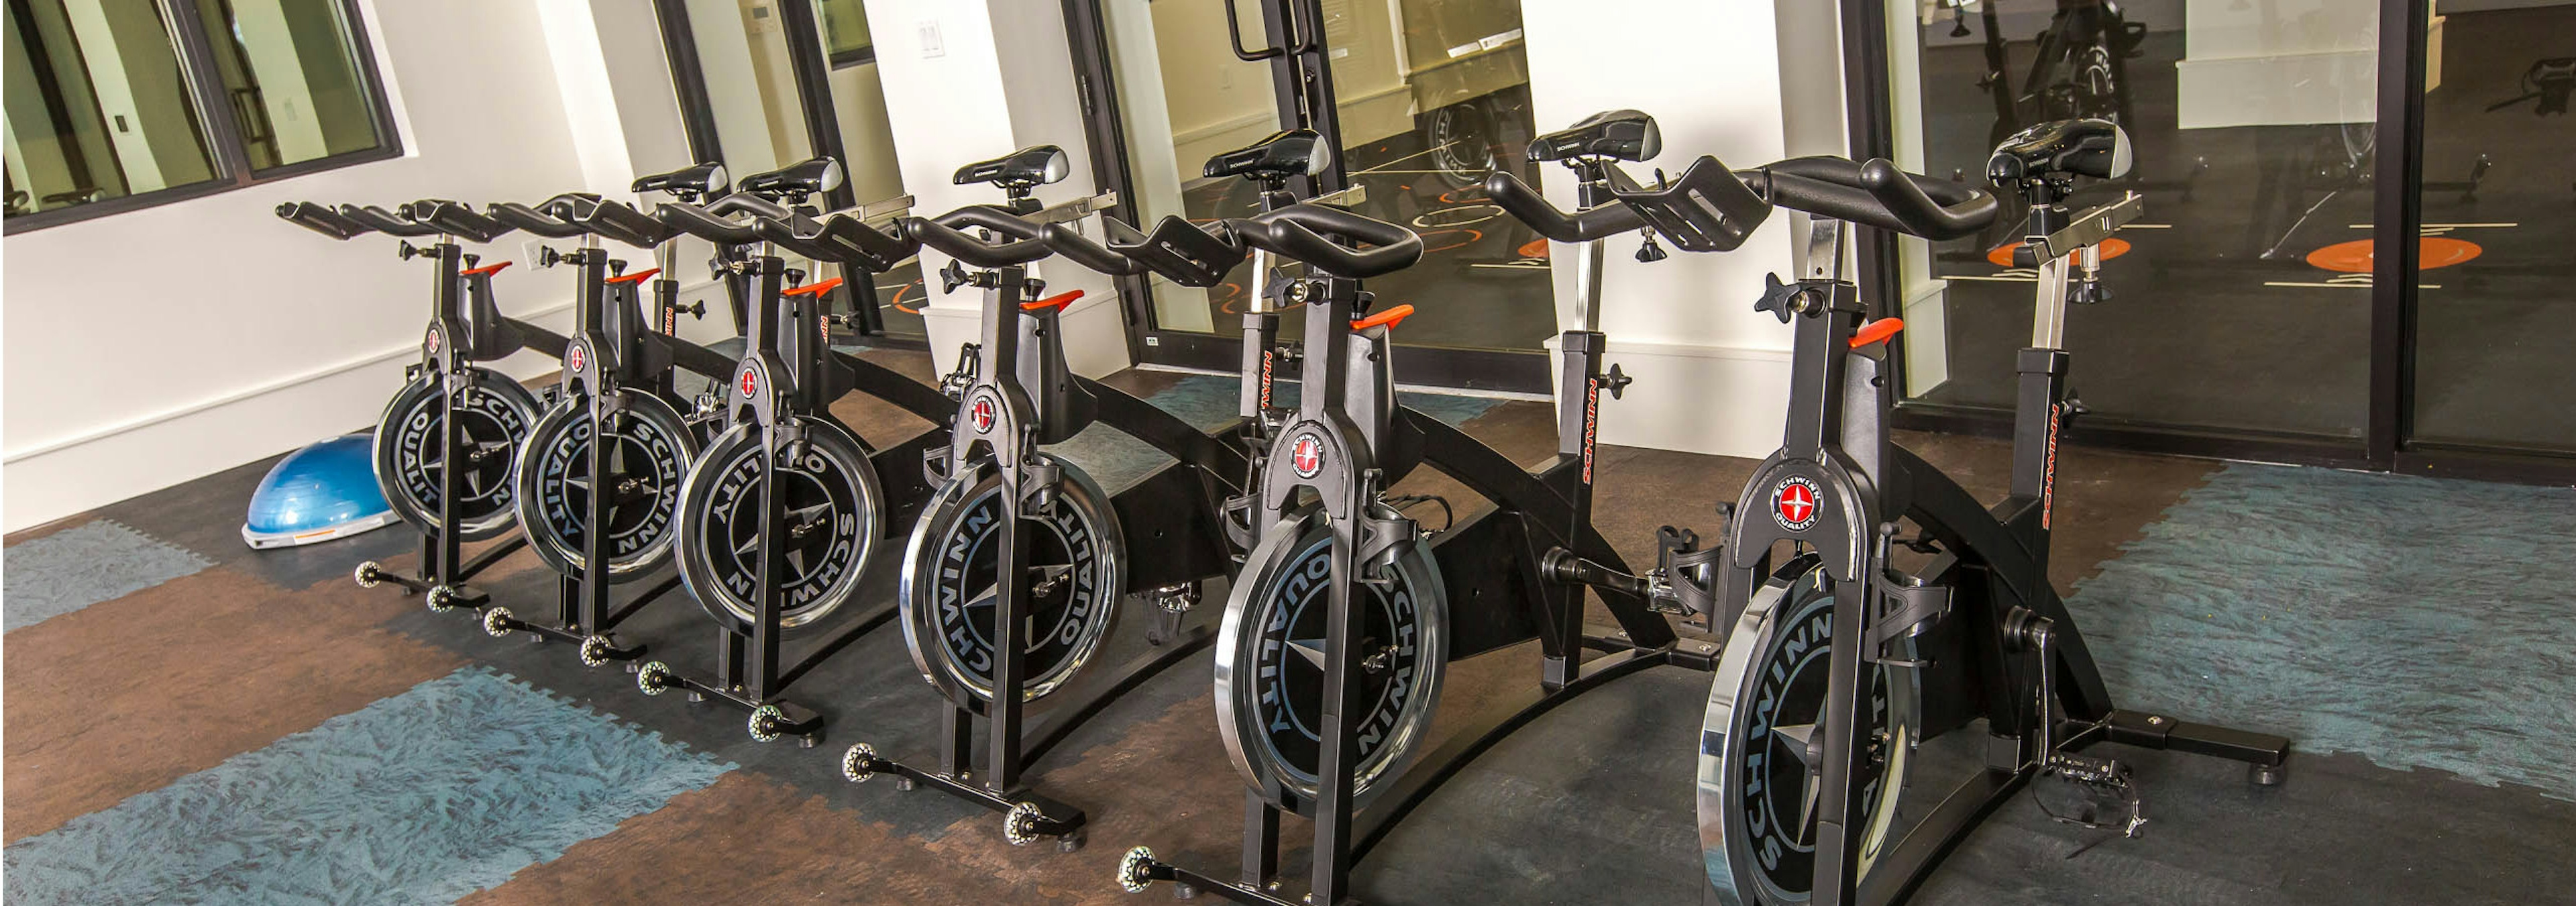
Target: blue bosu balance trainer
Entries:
(324, 491)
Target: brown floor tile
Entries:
(127, 695)
(751, 839)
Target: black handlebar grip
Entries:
(703, 223)
(1297, 232)
(386, 222)
(519, 216)
(991, 218)
(1526, 205)
(618, 221)
(966, 248)
(1064, 240)
(320, 219)
(1880, 195)
(455, 218)
(742, 203)
(1911, 201)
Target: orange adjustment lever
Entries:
(1389, 317)
(636, 276)
(488, 268)
(1058, 300)
(815, 288)
(1876, 331)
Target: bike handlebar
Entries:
(1298, 232)
(1022, 242)
(386, 222)
(547, 219)
(321, 219)
(704, 222)
(1876, 193)
(454, 218)
(619, 221)
(841, 239)
(1526, 205)
(1179, 250)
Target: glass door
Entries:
(2242, 299)
(2493, 307)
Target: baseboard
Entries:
(67, 476)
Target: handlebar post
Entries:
(1594, 192)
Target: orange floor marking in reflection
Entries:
(1471, 237)
(2355, 257)
(1535, 248)
(2002, 255)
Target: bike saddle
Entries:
(687, 183)
(1023, 169)
(1623, 134)
(1297, 152)
(2087, 147)
(794, 182)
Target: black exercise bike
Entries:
(1840, 660)
(1021, 565)
(446, 442)
(1347, 613)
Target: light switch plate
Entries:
(931, 44)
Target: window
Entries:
(113, 105)
(845, 32)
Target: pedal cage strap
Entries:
(1381, 542)
(1905, 607)
(1687, 573)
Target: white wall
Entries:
(1000, 80)
(151, 347)
(1711, 372)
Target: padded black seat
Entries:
(792, 183)
(1624, 134)
(1297, 152)
(687, 183)
(1029, 167)
(2095, 148)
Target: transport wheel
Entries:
(855, 763)
(1132, 869)
(494, 414)
(651, 448)
(946, 595)
(1020, 824)
(1757, 770)
(833, 512)
(496, 622)
(654, 678)
(1271, 653)
(369, 574)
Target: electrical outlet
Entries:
(532, 254)
(931, 44)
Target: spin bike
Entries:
(610, 503)
(446, 442)
(1840, 661)
(1021, 564)
(1345, 614)
(780, 515)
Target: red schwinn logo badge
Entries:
(1306, 455)
(1793, 503)
(982, 414)
(573, 359)
(433, 341)
(750, 383)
